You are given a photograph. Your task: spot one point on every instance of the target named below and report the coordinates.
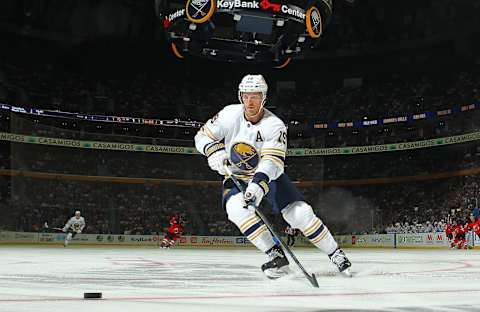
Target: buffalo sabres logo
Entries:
(199, 11)
(313, 21)
(244, 156)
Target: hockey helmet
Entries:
(253, 83)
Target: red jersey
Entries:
(470, 225)
(476, 227)
(459, 229)
(448, 229)
(175, 229)
(173, 220)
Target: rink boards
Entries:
(408, 240)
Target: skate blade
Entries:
(277, 273)
(347, 273)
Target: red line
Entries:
(169, 298)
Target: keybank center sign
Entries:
(264, 5)
(237, 4)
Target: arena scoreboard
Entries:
(243, 30)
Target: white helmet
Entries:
(253, 83)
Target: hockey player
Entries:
(254, 141)
(471, 228)
(476, 227)
(174, 231)
(449, 232)
(460, 230)
(73, 227)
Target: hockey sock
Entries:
(249, 223)
(300, 215)
(320, 236)
(257, 233)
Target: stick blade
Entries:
(313, 281)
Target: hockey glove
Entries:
(217, 156)
(256, 189)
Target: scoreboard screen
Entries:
(243, 30)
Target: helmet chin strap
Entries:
(260, 110)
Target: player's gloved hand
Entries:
(253, 194)
(79, 232)
(217, 156)
(64, 230)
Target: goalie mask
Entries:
(253, 83)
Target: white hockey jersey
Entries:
(75, 224)
(252, 148)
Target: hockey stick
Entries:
(311, 278)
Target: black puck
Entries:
(95, 295)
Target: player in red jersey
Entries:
(460, 230)
(449, 233)
(472, 228)
(476, 227)
(174, 219)
(174, 231)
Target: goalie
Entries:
(74, 226)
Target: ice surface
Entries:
(52, 278)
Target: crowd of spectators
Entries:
(427, 227)
(50, 87)
(301, 134)
(392, 97)
(407, 206)
(386, 164)
(125, 207)
(112, 208)
(129, 207)
(421, 163)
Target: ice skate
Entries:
(341, 261)
(165, 244)
(67, 239)
(277, 266)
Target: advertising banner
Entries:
(408, 240)
(422, 240)
(373, 240)
(20, 237)
(295, 152)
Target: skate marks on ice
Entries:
(446, 308)
(231, 280)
